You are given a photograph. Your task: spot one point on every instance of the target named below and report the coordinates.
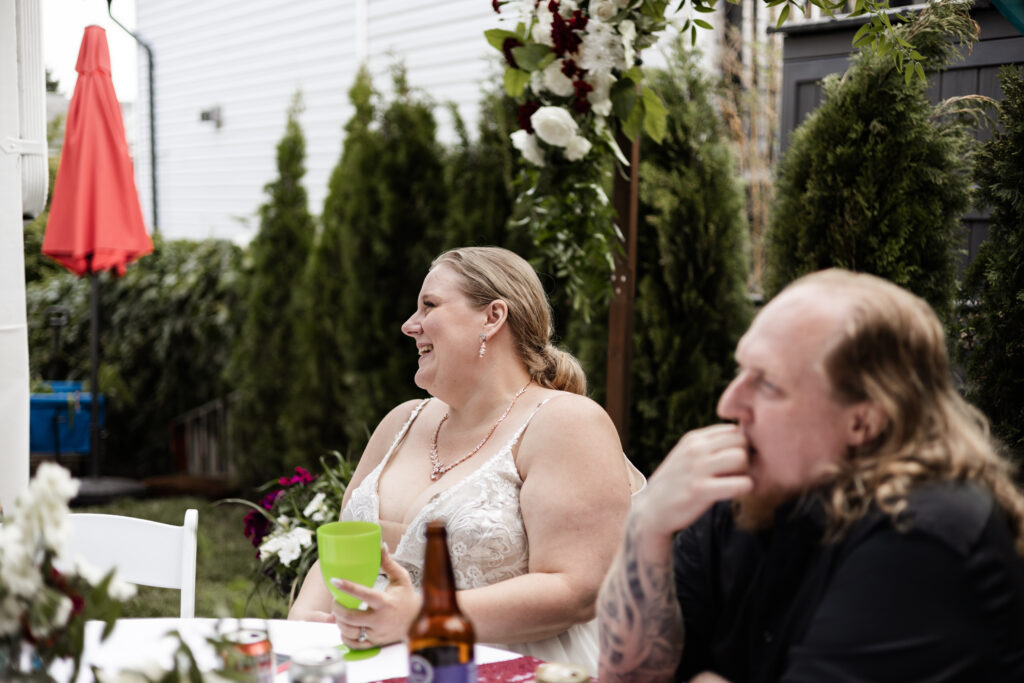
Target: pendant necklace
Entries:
(437, 470)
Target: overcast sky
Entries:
(64, 23)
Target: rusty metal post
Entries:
(620, 313)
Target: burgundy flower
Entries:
(564, 38)
(256, 527)
(581, 106)
(569, 68)
(496, 6)
(526, 110)
(77, 604)
(268, 500)
(506, 49)
(582, 88)
(579, 21)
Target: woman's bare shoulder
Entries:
(569, 423)
(564, 408)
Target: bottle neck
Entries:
(438, 576)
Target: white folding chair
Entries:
(144, 552)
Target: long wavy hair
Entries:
(490, 273)
(891, 351)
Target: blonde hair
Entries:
(490, 273)
(891, 351)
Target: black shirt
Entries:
(940, 599)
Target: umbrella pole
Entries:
(94, 379)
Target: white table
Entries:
(140, 644)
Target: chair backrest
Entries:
(144, 552)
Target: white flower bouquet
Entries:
(45, 596)
(572, 68)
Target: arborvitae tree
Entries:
(390, 215)
(692, 262)
(877, 179)
(992, 342)
(265, 355)
(317, 418)
(479, 177)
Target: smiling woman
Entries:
(526, 473)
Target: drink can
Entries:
(248, 653)
(317, 665)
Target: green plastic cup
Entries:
(350, 551)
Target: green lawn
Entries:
(225, 563)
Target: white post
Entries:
(22, 192)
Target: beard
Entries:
(756, 511)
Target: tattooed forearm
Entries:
(640, 623)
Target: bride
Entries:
(527, 474)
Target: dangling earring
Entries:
(483, 345)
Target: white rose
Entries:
(601, 49)
(528, 147)
(541, 32)
(553, 80)
(554, 125)
(627, 29)
(603, 9)
(599, 97)
(577, 148)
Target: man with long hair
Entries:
(852, 520)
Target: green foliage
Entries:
(881, 32)
(692, 261)
(479, 177)
(166, 330)
(876, 179)
(992, 339)
(265, 355)
(316, 419)
(386, 210)
(567, 211)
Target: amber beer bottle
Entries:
(441, 638)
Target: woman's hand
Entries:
(388, 613)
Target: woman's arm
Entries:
(574, 500)
(314, 600)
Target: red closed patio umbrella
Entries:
(95, 221)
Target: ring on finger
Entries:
(362, 635)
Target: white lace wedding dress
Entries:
(486, 537)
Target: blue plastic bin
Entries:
(59, 422)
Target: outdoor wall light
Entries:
(212, 114)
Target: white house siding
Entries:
(249, 57)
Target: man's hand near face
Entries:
(641, 626)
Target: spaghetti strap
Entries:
(405, 429)
(529, 418)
